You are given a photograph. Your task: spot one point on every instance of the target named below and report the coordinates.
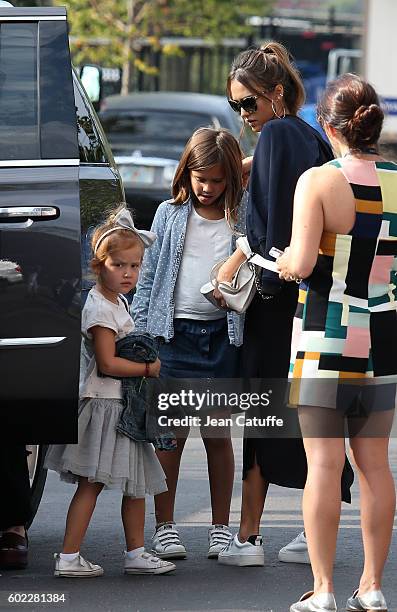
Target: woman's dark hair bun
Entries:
(364, 116)
(363, 127)
(351, 106)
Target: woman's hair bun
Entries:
(267, 48)
(351, 105)
(277, 49)
(365, 115)
(363, 127)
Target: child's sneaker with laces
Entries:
(76, 568)
(218, 539)
(243, 553)
(295, 551)
(145, 563)
(167, 544)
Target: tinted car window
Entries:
(124, 125)
(19, 134)
(90, 146)
(57, 112)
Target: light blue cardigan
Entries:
(153, 305)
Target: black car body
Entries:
(54, 163)
(158, 125)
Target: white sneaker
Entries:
(295, 551)
(145, 563)
(218, 538)
(77, 568)
(167, 544)
(243, 553)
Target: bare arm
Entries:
(109, 364)
(231, 265)
(300, 258)
(247, 165)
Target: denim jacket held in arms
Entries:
(153, 305)
(138, 418)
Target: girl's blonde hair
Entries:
(118, 240)
(260, 70)
(206, 148)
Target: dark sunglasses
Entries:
(248, 104)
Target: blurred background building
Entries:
(164, 59)
(308, 28)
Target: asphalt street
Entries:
(198, 584)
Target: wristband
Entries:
(244, 246)
(147, 369)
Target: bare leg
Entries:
(170, 462)
(79, 514)
(133, 516)
(253, 500)
(321, 506)
(322, 493)
(378, 502)
(220, 461)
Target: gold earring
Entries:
(275, 113)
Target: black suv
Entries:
(57, 177)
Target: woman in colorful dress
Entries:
(344, 246)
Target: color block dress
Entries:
(344, 347)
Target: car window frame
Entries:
(102, 138)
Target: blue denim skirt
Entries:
(199, 349)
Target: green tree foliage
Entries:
(110, 32)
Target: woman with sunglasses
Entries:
(266, 90)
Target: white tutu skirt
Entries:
(105, 456)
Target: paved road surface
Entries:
(198, 584)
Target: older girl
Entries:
(195, 230)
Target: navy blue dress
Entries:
(286, 149)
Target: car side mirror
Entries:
(91, 78)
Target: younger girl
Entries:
(194, 232)
(103, 457)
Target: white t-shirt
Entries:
(100, 311)
(206, 243)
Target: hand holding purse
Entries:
(239, 292)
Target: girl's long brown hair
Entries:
(206, 148)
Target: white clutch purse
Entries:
(239, 293)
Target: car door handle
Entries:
(33, 213)
(31, 342)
